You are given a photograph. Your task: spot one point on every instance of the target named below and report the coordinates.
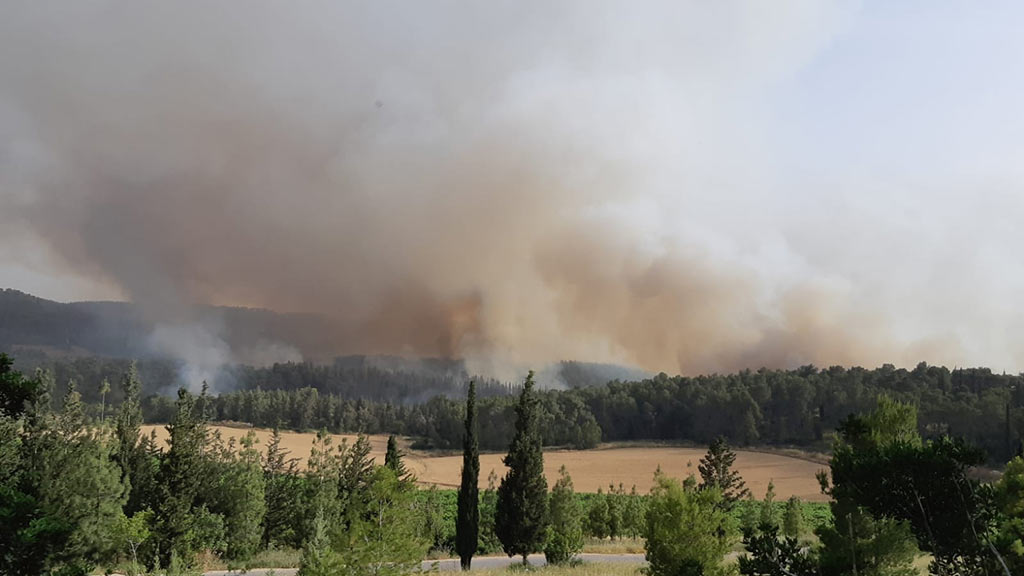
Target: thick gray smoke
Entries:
(513, 183)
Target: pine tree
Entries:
(129, 455)
(318, 559)
(393, 459)
(385, 539)
(597, 515)
(104, 389)
(81, 484)
(283, 490)
(241, 501)
(716, 470)
(467, 525)
(793, 518)
(181, 474)
(565, 534)
(521, 518)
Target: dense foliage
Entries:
(467, 528)
(521, 517)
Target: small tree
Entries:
(521, 518)
(597, 515)
(488, 508)
(133, 532)
(767, 555)
(393, 459)
(385, 540)
(318, 559)
(793, 518)
(104, 390)
(467, 526)
(767, 517)
(688, 530)
(565, 535)
(716, 470)
(633, 514)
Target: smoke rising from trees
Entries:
(506, 182)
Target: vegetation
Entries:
(688, 530)
(467, 528)
(565, 534)
(82, 491)
(716, 472)
(521, 516)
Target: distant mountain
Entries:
(119, 330)
(39, 332)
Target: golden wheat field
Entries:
(590, 469)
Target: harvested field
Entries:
(590, 469)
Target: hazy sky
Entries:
(682, 186)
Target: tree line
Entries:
(774, 407)
(78, 492)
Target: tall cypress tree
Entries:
(522, 514)
(467, 525)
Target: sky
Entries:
(680, 186)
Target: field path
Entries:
(452, 564)
(590, 469)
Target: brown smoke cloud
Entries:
(513, 183)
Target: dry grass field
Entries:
(590, 469)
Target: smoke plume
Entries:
(510, 183)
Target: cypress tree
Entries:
(521, 516)
(467, 526)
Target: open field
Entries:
(590, 469)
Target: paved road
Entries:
(483, 562)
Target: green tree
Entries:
(393, 458)
(688, 530)
(467, 525)
(716, 470)
(138, 467)
(521, 517)
(104, 390)
(565, 533)
(81, 484)
(767, 516)
(768, 555)
(241, 500)
(132, 532)
(615, 505)
(1010, 499)
(793, 518)
(633, 514)
(283, 496)
(597, 515)
(488, 510)
(882, 465)
(31, 536)
(318, 557)
(182, 471)
(386, 539)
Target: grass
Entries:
(623, 546)
(577, 570)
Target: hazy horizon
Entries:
(679, 186)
